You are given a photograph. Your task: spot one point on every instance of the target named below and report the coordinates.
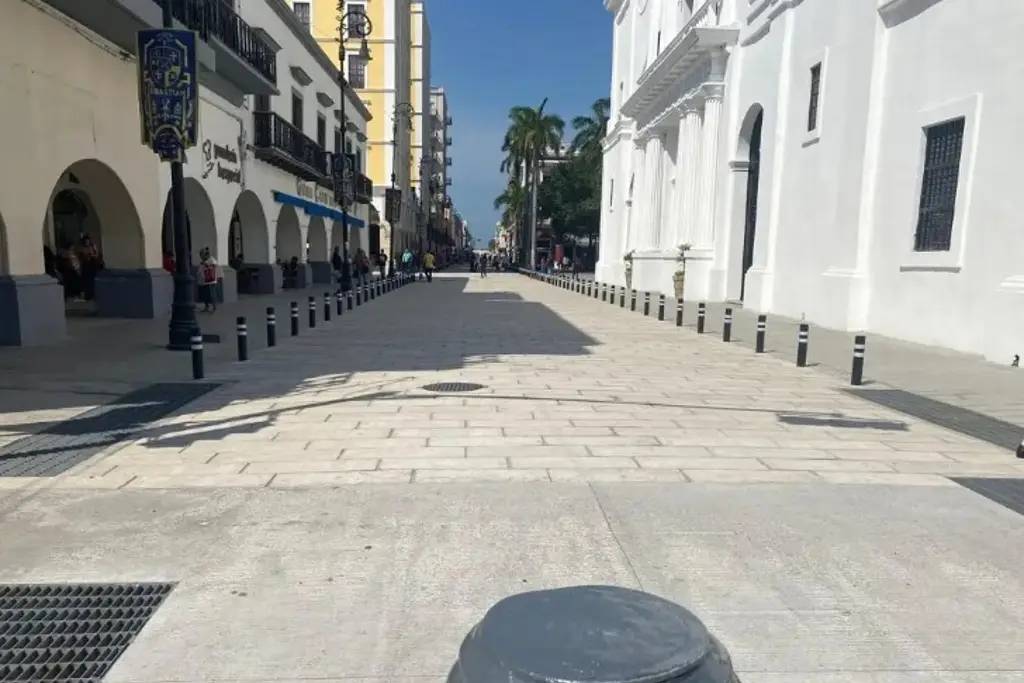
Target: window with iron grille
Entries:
(301, 10)
(815, 98)
(940, 179)
(321, 131)
(297, 113)
(356, 72)
(356, 12)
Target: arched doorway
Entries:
(749, 151)
(317, 250)
(200, 222)
(92, 229)
(289, 247)
(249, 246)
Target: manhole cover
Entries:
(452, 387)
(71, 632)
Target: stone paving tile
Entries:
(572, 393)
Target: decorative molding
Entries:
(739, 165)
(895, 12)
(774, 9)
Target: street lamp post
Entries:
(353, 23)
(183, 308)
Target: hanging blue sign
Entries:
(168, 91)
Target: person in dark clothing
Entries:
(337, 265)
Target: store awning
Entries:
(314, 209)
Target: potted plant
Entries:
(627, 260)
(679, 278)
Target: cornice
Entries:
(895, 12)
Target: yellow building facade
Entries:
(384, 85)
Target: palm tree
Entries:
(532, 133)
(511, 202)
(590, 131)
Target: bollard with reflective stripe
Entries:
(604, 292)
(312, 312)
(271, 327)
(679, 313)
(611, 297)
(349, 296)
(327, 306)
(371, 290)
(242, 330)
(295, 318)
(647, 304)
(802, 341)
(727, 326)
(661, 307)
(860, 343)
(359, 300)
(702, 314)
(198, 366)
(339, 298)
(762, 330)
(632, 300)
(622, 298)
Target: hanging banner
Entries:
(168, 91)
(392, 205)
(343, 178)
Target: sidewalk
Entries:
(329, 514)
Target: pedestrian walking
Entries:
(429, 263)
(483, 265)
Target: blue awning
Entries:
(314, 209)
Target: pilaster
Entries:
(704, 232)
(656, 152)
(687, 158)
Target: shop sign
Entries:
(222, 158)
(315, 193)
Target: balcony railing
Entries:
(217, 19)
(280, 143)
(363, 189)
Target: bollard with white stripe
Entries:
(340, 299)
(349, 295)
(242, 330)
(647, 304)
(622, 298)
(860, 343)
(802, 340)
(632, 299)
(327, 307)
(762, 330)
(727, 326)
(312, 312)
(661, 307)
(679, 313)
(295, 318)
(198, 366)
(604, 292)
(611, 296)
(702, 314)
(271, 327)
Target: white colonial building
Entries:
(257, 187)
(848, 162)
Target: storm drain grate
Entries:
(961, 420)
(1007, 492)
(453, 387)
(71, 633)
(60, 447)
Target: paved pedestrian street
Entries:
(329, 513)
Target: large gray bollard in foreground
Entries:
(596, 634)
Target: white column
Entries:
(704, 235)
(656, 151)
(637, 210)
(687, 160)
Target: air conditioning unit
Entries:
(448, 121)
(448, 161)
(448, 142)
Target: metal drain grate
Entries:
(960, 420)
(453, 387)
(1007, 492)
(71, 633)
(60, 447)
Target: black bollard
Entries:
(327, 307)
(802, 340)
(198, 366)
(359, 300)
(339, 297)
(661, 307)
(604, 292)
(679, 313)
(371, 289)
(857, 371)
(295, 318)
(271, 327)
(611, 298)
(762, 330)
(622, 298)
(647, 304)
(312, 312)
(702, 314)
(727, 326)
(583, 634)
(242, 330)
(597, 289)
(349, 296)
(632, 300)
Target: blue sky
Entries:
(491, 55)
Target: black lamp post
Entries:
(183, 308)
(353, 23)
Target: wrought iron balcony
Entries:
(363, 189)
(279, 143)
(231, 48)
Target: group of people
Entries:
(364, 265)
(75, 267)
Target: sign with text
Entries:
(224, 159)
(315, 193)
(168, 91)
